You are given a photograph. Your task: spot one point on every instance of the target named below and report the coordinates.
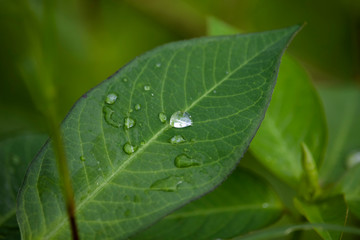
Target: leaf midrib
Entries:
(133, 156)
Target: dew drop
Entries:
(158, 65)
(129, 149)
(152, 94)
(147, 88)
(137, 107)
(180, 119)
(353, 159)
(131, 110)
(214, 91)
(111, 98)
(169, 184)
(82, 158)
(226, 72)
(162, 117)
(177, 139)
(124, 79)
(129, 122)
(108, 112)
(184, 161)
(265, 205)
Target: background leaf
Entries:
(295, 115)
(329, 211)
(225, 83)
(243, 203)
(15, 155)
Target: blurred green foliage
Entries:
(90, 40)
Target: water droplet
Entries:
(214, 91)
(142, 143)
(353, 159)
(162, 117)
(129, 149)
(129, 122)
(180, 119)
(186, 150)
(265, 205)
(82, 158)
(169, 184)
(108, 112)
(137, 107)
(183, 161)
(158, 65)
(98, 162)
(147, 88)
(125, 79)
(99, 169)
(177, 139)
(111, 98)
(152, 94)
(226, 72)
(127, 213)
(131, 110)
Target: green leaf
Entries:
(224, 83)
(342, 107)
(15, 155)
(243, 203)
(329, 211)
(294, 116)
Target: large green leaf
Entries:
(243, 203)
(225, 83)
(329, 211)
(295, 115)
(342, 106)
(15, 155)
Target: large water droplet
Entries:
(129, 149)
(82, 158)
(147, 88)
(177, 139)
(129, 122)
(169, 184)
(137, 107)
(183, 161)
(111, 98)
(353, 159)
(180, 119)
(108, 112)
(162, 117)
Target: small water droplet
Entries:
(158, 65)
(353, 159)
(214, 91)
(129, 122)
(147, 88)
(129, 149)
(169, 184)
(137, 107)
(124, 79)
(142, 143)
(98, 162)
(177, 139)
(108, 113)
(180, 119)
(152, 94)
(184, 161)
(226, 72)
(99, 169)
(186, 150)
(82, 158)
(131, 110)
(127, 213)
(111, 98)
(265, 205)
(97, 183)
(162, 117)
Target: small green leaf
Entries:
(223, 83)
(329, 211)
(342, 107)
(15, 155)
(243, 203)
(295, 115)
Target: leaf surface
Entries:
(224, 83)
(295, 115)
(243, 203)
(329, 211)
(15, 155)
